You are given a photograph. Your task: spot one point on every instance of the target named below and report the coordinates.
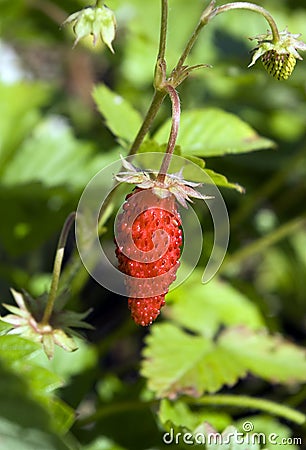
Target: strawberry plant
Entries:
(175, 314)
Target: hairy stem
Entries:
(176, 114)
(163, 30)
(250, 7)
(57, 268)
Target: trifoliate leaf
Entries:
(205, 365)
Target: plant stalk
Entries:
(250, 7)
(176, 114)
(244, 401)
(57, 268)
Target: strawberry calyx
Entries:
(172, 184)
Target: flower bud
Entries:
(278, 56)
(98, 21)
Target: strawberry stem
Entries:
(57, 268)
(159, 79)
(250, 7)
(176, 114)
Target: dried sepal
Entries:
(173, 184)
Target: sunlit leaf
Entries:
(13, 436)
(27, 386)
(18, 115)
(205, 307)
(214, 132)
(53, 156)
(121, 118)
(204, 365)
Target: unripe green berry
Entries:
(280, 66)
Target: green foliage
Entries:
(114, 108)
(27, 400)
(205, 365)
(20, 104)
(205, 308)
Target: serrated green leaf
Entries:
(199, 365)
(214, 132)
(204, 308)
(121, 118)
(206, 365)
(265, 356)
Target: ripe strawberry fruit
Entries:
(148, 239)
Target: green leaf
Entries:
(214, 132)
(206, 365)
(194, 369)
(53, 156)
(222, 181)
(151, 146)
(121, 118)
(13, 436)
(180, 415)
(33, 213)
(67, 365)
(18, 115)
(26, 386)
(265, 356)
(204, 308)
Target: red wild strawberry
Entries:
(149, 239)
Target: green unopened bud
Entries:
(278, 58)
(97, 21)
